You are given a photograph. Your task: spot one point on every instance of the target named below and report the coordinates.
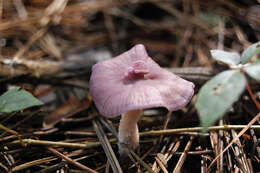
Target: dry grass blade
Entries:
(220, 146)
(235, 139)
(12, 132)
(25, 67)
(32, 163)
(108, 124)
(160, 163)
(60, 166)
(165, 156)
(195, 129)
(183, 156)
(145, 165)
(41, 68)
(215, 145)
(55, 8)
(240, 154)
(37, 35)
(61, 144)
(69, 160)
(48, 47)
(107, 147)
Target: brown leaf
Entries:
(70, 108)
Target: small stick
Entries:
(69, 160)
(33, 163)
(183, 156)
(14, 133)
(161, 165)
(60, 144)
(195, 129)
(220, 146)
(252, 96)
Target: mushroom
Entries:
(131, 82)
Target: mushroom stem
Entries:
(128, 130)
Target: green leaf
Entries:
(253, 70)
(230, 58)
(249, 52)
(16, 99)
(218, 95)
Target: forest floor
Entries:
(48, 47)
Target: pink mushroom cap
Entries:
(134, 81)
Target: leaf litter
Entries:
(41, 39)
